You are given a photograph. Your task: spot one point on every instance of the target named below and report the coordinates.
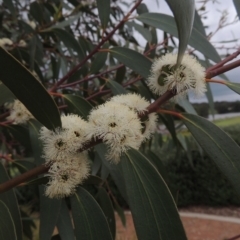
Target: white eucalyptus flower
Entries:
(22, 43)
(139, 105)
(56, 146)
(77, 131)
(190, 75)
(65, 176)
(5, 43)
(19, 113)
(32, 24)
(118, 126)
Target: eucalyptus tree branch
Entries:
(216, 71)
(91, 77)
(43, 168)
(23, 178)
(95, 50)
(227, 59)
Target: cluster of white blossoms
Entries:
(5, 43)
(68, 167)
(18, 113)
(190, 75)
(118, 123)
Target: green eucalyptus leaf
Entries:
(150, 200)
(99, 62)
(106, 205)
(9, 202)
(233, 86)
(142, 30)
(20, 133)
(237, 6)
(70, 42)
(66, 23)
(49, 213)
(64, 223)
(187, 106)
(9, 4)
(38, 181)
(7, 228)
(104, 11)
(120, 74)
(28, 224)
(89, 220)
(78, 105)
(218, 145)
(115, 173)
(183, 12)
(116, 87)
(210, 99)
(5, 94)
(29, 91)
(36, 10)
(167, 24)
(132, 59)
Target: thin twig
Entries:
(95, 50)
(223, 69)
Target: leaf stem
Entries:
(179, 115)
(216, 81)
(23, 178)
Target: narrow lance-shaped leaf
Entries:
(233, 86)
(78, 105)
(89, 220)
(7, 228)
(218, 145)
(167, 23)
(5, 94)
(132, 59)
(104, 11)
(237, 6)
(183, 12)
(116, 87)
(155, 214)
(28, 90)
(9, 199)
(64, 223)
(70, 42)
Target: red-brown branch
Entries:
(23, 178)
(95, 50)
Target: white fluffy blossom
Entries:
(190, 75)
(139, 105)
(18, 113)
(77, 130)
(66, 175)
(32, 24)
(118, 126)
(5, 43)
(22, 43)
(65, 141)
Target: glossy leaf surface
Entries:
(218, 145)
(89, 220)
(29, 91)
(150, 200)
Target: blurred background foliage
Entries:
(50, 38)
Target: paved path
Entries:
(198, 226)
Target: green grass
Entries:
(226, 122)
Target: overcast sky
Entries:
(220, 92)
